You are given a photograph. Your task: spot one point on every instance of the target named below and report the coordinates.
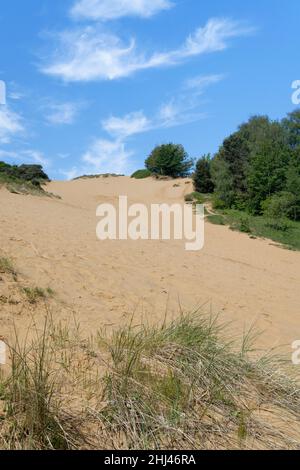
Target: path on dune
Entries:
(53, 243)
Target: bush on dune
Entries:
(141, 174)
(169, 160)
(32, 173)
(23, 179)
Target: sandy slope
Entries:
(53, 243)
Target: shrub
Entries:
(141, 174)
(169, 160)
(188, 198)
(280, 224)
(278, 206)
(218, 203)
(202, 177)
(243, 224)
(33, 173)
(195, 197)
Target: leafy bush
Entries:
(169, 160)
(32, 173)
(141, 174)
(280, 224)
(243, 224)
(195, 197)
(278, 206)
(202, 177)
(218, 203)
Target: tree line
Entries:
(256, 169)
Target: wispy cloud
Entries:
(63, 113)
(89, 54)
(8, 154)
(112, 9)
(30, 156)
(36, 157)
(10, 124)
(199, 83)
(72, 173)
(111, 155)
(102, 156)
(179, 110)
(131, 124)
(107, 156)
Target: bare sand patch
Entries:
(53, 243)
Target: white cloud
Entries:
(177, 111)
(89, 54)
(64, 113)
(26, 157)
(72, 173)
(35, 156)
(10, 124)
(131, 124)
(15, 95)
(199, 83)
(8, 154)
(111, 156)
(112, 9)
(107, 156)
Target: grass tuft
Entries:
(180, 387)
(7, 267)
(34, 294)
(172, 386)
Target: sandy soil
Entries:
(53, 244)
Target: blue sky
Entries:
(94, 85)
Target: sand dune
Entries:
(53, 244)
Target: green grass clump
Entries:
(19, 186)
(196, 198)
(7, 267)
(100, 175)
(141, 174)
(34, 414)
(179, 386)
(282, 231)
(34, 294)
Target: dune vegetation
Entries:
(176, 385)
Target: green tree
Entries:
(291, 124)
(267, 169)
(254, 160)
(202, 177)
(223, 181)
(169, 160)
(293, 184)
